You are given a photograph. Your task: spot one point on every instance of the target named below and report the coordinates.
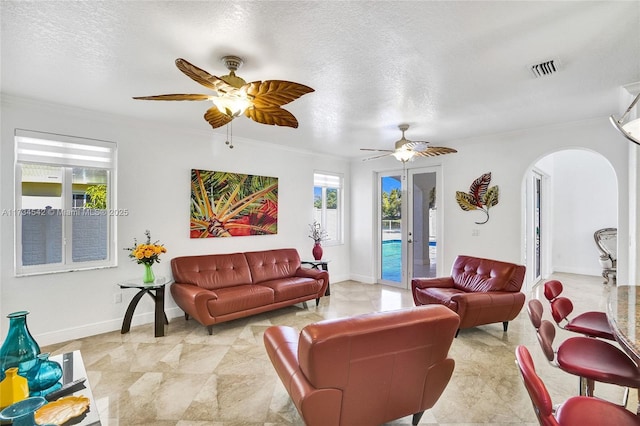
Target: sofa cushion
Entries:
(212, 271)
(292, 288)
(272, 264)
(239, 298)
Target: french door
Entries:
(409, 225)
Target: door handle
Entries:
(409, 241)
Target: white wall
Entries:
(153, 183)
(584, 196)
(508, 157)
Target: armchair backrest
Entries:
(607, 242)
(476, 274)
(387, 364)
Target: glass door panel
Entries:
(391, 247)
(423, 223)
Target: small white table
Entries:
(156, 291)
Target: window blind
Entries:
(61, 150)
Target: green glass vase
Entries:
(148, 277)
(19, 349)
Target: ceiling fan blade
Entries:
(433, 151)
(175, 97)
(216, 118)
(378, 150)
(275, 93)
(201, 76)
(377, 156)
(417, 145)
(273, 115)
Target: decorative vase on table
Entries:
(19, 349)
(317, 251)
(44, 376)
(148, 277)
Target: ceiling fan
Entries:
(232, 96)
(406, 150)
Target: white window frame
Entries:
(330, 180)
(64, 151)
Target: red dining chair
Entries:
(535, 310)
(591, 324)
(592, 360)
(575, 411)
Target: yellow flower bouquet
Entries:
(146, 253)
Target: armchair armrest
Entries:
(488, 307)
(318, 407)
(441, 282)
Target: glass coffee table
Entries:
(156, 291)
(73, 369)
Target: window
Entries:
(327, 204)
(64, 213)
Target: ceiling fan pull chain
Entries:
(229, 143)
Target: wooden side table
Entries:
(319, 264)
(156, 291)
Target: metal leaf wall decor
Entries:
(480, 196)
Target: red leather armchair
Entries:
(481, 291)
(368, 369)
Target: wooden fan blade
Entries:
(378, 150)
(201, 76)
(417, 145)
(176, 97)
(273, 116)
(377, 156)
(216, 118)
(275, 93)
(433, 151)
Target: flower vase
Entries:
(19, 349)
(148, 277)
(317, 251)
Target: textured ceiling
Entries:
(451, 69)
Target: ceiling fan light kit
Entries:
(406, 150)
(630, 129)
(232, 96)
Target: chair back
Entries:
(552, 289)
(540, 399)
(561, 308)
(535, 310)
(387, 365)
(546, 334)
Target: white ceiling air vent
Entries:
(545, 68)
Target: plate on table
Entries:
(61, 410)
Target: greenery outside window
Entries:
(327, 205)
(64, 210)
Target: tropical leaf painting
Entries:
(232, 204)
(480, 196)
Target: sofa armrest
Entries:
(193, 301)
(441, 282)
(316, 274)
(488, 307)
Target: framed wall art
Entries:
(232, 204)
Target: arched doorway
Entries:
(569, 194)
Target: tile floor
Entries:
(190, 378)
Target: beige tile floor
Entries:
(189, 378)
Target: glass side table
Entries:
(156, 291)
(319, 264)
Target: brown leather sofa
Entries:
(222, 287)
(481, 291)
(368, 369)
